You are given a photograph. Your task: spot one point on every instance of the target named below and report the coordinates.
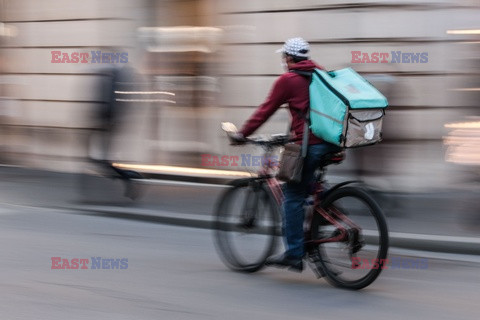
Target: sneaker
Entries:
(282, 261)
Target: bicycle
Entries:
(346, 234)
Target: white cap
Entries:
(296, 47)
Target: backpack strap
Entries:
(306, 116)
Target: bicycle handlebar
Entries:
(276, 140)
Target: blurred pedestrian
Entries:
(116, 81)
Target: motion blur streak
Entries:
(473, 31)
(463, 143)
(182, 170)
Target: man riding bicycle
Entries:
(292, 88)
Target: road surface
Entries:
(174, 273)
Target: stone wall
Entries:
(46, 108)
(422, 96)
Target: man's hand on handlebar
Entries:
(236, 138)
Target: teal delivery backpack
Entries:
(345, 109)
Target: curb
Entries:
(433, 243)
(159, 216)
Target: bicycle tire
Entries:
(332, 275)
(223, 229)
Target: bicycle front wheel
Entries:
(246, 222)
(355, 261)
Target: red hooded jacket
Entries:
(290, 88)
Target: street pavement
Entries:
(445, 222)
(174, 273)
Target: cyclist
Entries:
(293, 89)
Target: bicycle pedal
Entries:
(313, 261)
(317, 270)
(357, 246)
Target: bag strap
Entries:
(305, 135)
(306, 117)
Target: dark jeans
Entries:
(295, 194)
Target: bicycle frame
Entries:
(267, 173)
(335, 225)
(335, 218)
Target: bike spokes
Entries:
(245, 228)
(354, 241)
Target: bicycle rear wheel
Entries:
(246, 220)
(354, 262)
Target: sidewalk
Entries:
(441, 222)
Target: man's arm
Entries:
(278, 96)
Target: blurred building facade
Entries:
(207, 61)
